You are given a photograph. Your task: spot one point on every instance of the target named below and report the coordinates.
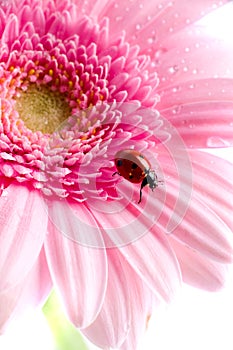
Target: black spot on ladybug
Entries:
(119, 162)
(134, 166)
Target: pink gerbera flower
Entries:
(75, 89)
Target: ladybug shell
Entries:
(132, 165)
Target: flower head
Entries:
(75, 89)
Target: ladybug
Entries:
(135, 167)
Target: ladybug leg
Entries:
(116, 172)
(143, 184)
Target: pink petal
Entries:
(112, 324)
(190, 59)
(154, 261)
(79, 270)
(143, 19)
(197, 270)
(198, 105)
(29, 293)
(210, 169)
(140, 316)
(131, 228)
(23, 223)
(125, 308)
(204, 123)
(195, 219)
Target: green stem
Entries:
(66, 336)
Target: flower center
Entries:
(42, 109)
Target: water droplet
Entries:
(194, 71)
(197, 45)
(187, 21)
(150, 40)
(140, 6)
(187, 49)
(185, 69)
(159, 52)
(177, 110)
(176, 89)
(116, 5)
(192, 86)
(171, 29)
(216, 141)
(138, 26)
(173, 69)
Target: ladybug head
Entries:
(152, 179)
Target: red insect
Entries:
(135, 167)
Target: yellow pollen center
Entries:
(42, 109)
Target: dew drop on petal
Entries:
(151, 40)
(177, 110)
(160, 52)
(173, 69)
(176, 89)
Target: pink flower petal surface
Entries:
(143, 19)
(200, 221)
(153, 247)
(23, 222)
(126, 306)
(79, 271)
(196, 96)
(197, 270)
(116, 309)
(164, 280)
(31, 292)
